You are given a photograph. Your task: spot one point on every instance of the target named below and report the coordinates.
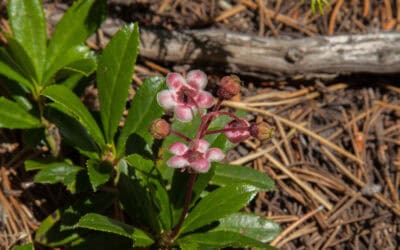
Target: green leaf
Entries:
(100, 241)
(249, 225)
(49, 233)
(226, 174)
(22, 58)
(91, 203)
(78, 59)
(77, 24)
(99, 172)
(59, 172)
(28, 246)
(144, 109)
(29, 28)
(73, 133)
(114, 75)
(10, 69)
(67, 102)
(13, 116)
(224, 239)
(147, 172)
(104, 224)
(217, 204)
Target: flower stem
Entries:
(210, 132)
(179, 134)
(188, 198)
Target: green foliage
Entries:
(14, 116)
(114, 77)
(116, 169)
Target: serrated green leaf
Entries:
(102, 223)
(10, 69)
(147, 172)
(226, 174)
(78, 59)
(78, 23)
(114, 75)
(188, 245)
(144, 109)
(225, 239)
(67, 102)
(28, 24)
(13, 116)
(50, 235)
(22, 58)
(100, 241)
(250, 225)
(28, 246)
(58, 172)
(99, 172)
(73, 133)
(93, 203)
(217, 204)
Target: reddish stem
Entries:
(179, 134)
(210, 132)
(188, 198)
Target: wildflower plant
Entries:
(155, 179)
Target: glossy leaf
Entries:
(50, 235)
(10, 69)
(92, 203)
(114, 75)
(225, 239)
(217, 204)
(147, 172)
(144, 109)
(28, 246)
(101, 223)
(22, 58)
(67, 102)
(249, 225)
(73, 133)
(59, 172)
(99, 172)
(100, 241)
(226, 174)
(13, 116)
(28, 24)
(78, 23)
(79, 59)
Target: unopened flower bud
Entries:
(238, 131)
(160, 129)
(229, 87)
(261, 131)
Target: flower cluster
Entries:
(186, 98)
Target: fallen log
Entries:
(268, 58)
(319, 57)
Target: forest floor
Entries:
(338, 139)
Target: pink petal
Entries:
(202, 146)
(178, 148)
(175, 81)
(200, 166)
(184, 113)
(197, 79)
(165, 99)
(215, 154)
(177, 162)
(204, 99)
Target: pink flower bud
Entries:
(229, 87)
(238, 131)
(160, 129)
(261, 131)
